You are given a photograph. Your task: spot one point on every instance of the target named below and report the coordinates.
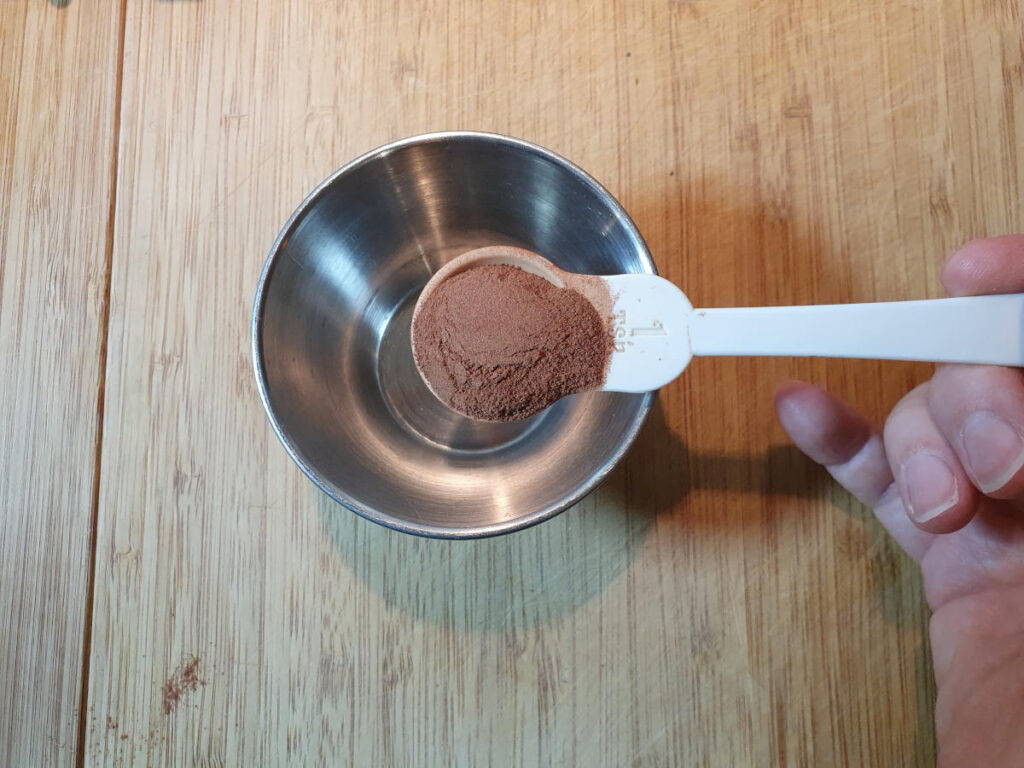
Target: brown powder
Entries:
(184, 679)
(497, 343)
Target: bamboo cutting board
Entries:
(717, 602)
(58, 96)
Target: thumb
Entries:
(850, 447)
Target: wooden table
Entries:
(718, 602)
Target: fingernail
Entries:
(995, 450)
(930, 486)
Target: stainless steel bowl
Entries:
(330, 335)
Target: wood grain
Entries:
(718, 602)
(58, 86)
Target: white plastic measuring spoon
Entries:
(657, 331)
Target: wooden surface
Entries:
(58, 95)
(717, 602)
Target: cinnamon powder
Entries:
(183, 680)
(498, 344)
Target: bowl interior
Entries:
(331, 335)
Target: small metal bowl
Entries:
(330, 335)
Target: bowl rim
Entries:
(380, 516)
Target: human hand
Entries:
(946, 479)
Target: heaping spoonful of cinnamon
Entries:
(500, 333)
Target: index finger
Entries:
(992, 265)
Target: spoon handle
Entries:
(975, 329)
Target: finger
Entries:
(936, 491)
(992, 265)
(980, 411)
(850, 448)
(837, 437)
